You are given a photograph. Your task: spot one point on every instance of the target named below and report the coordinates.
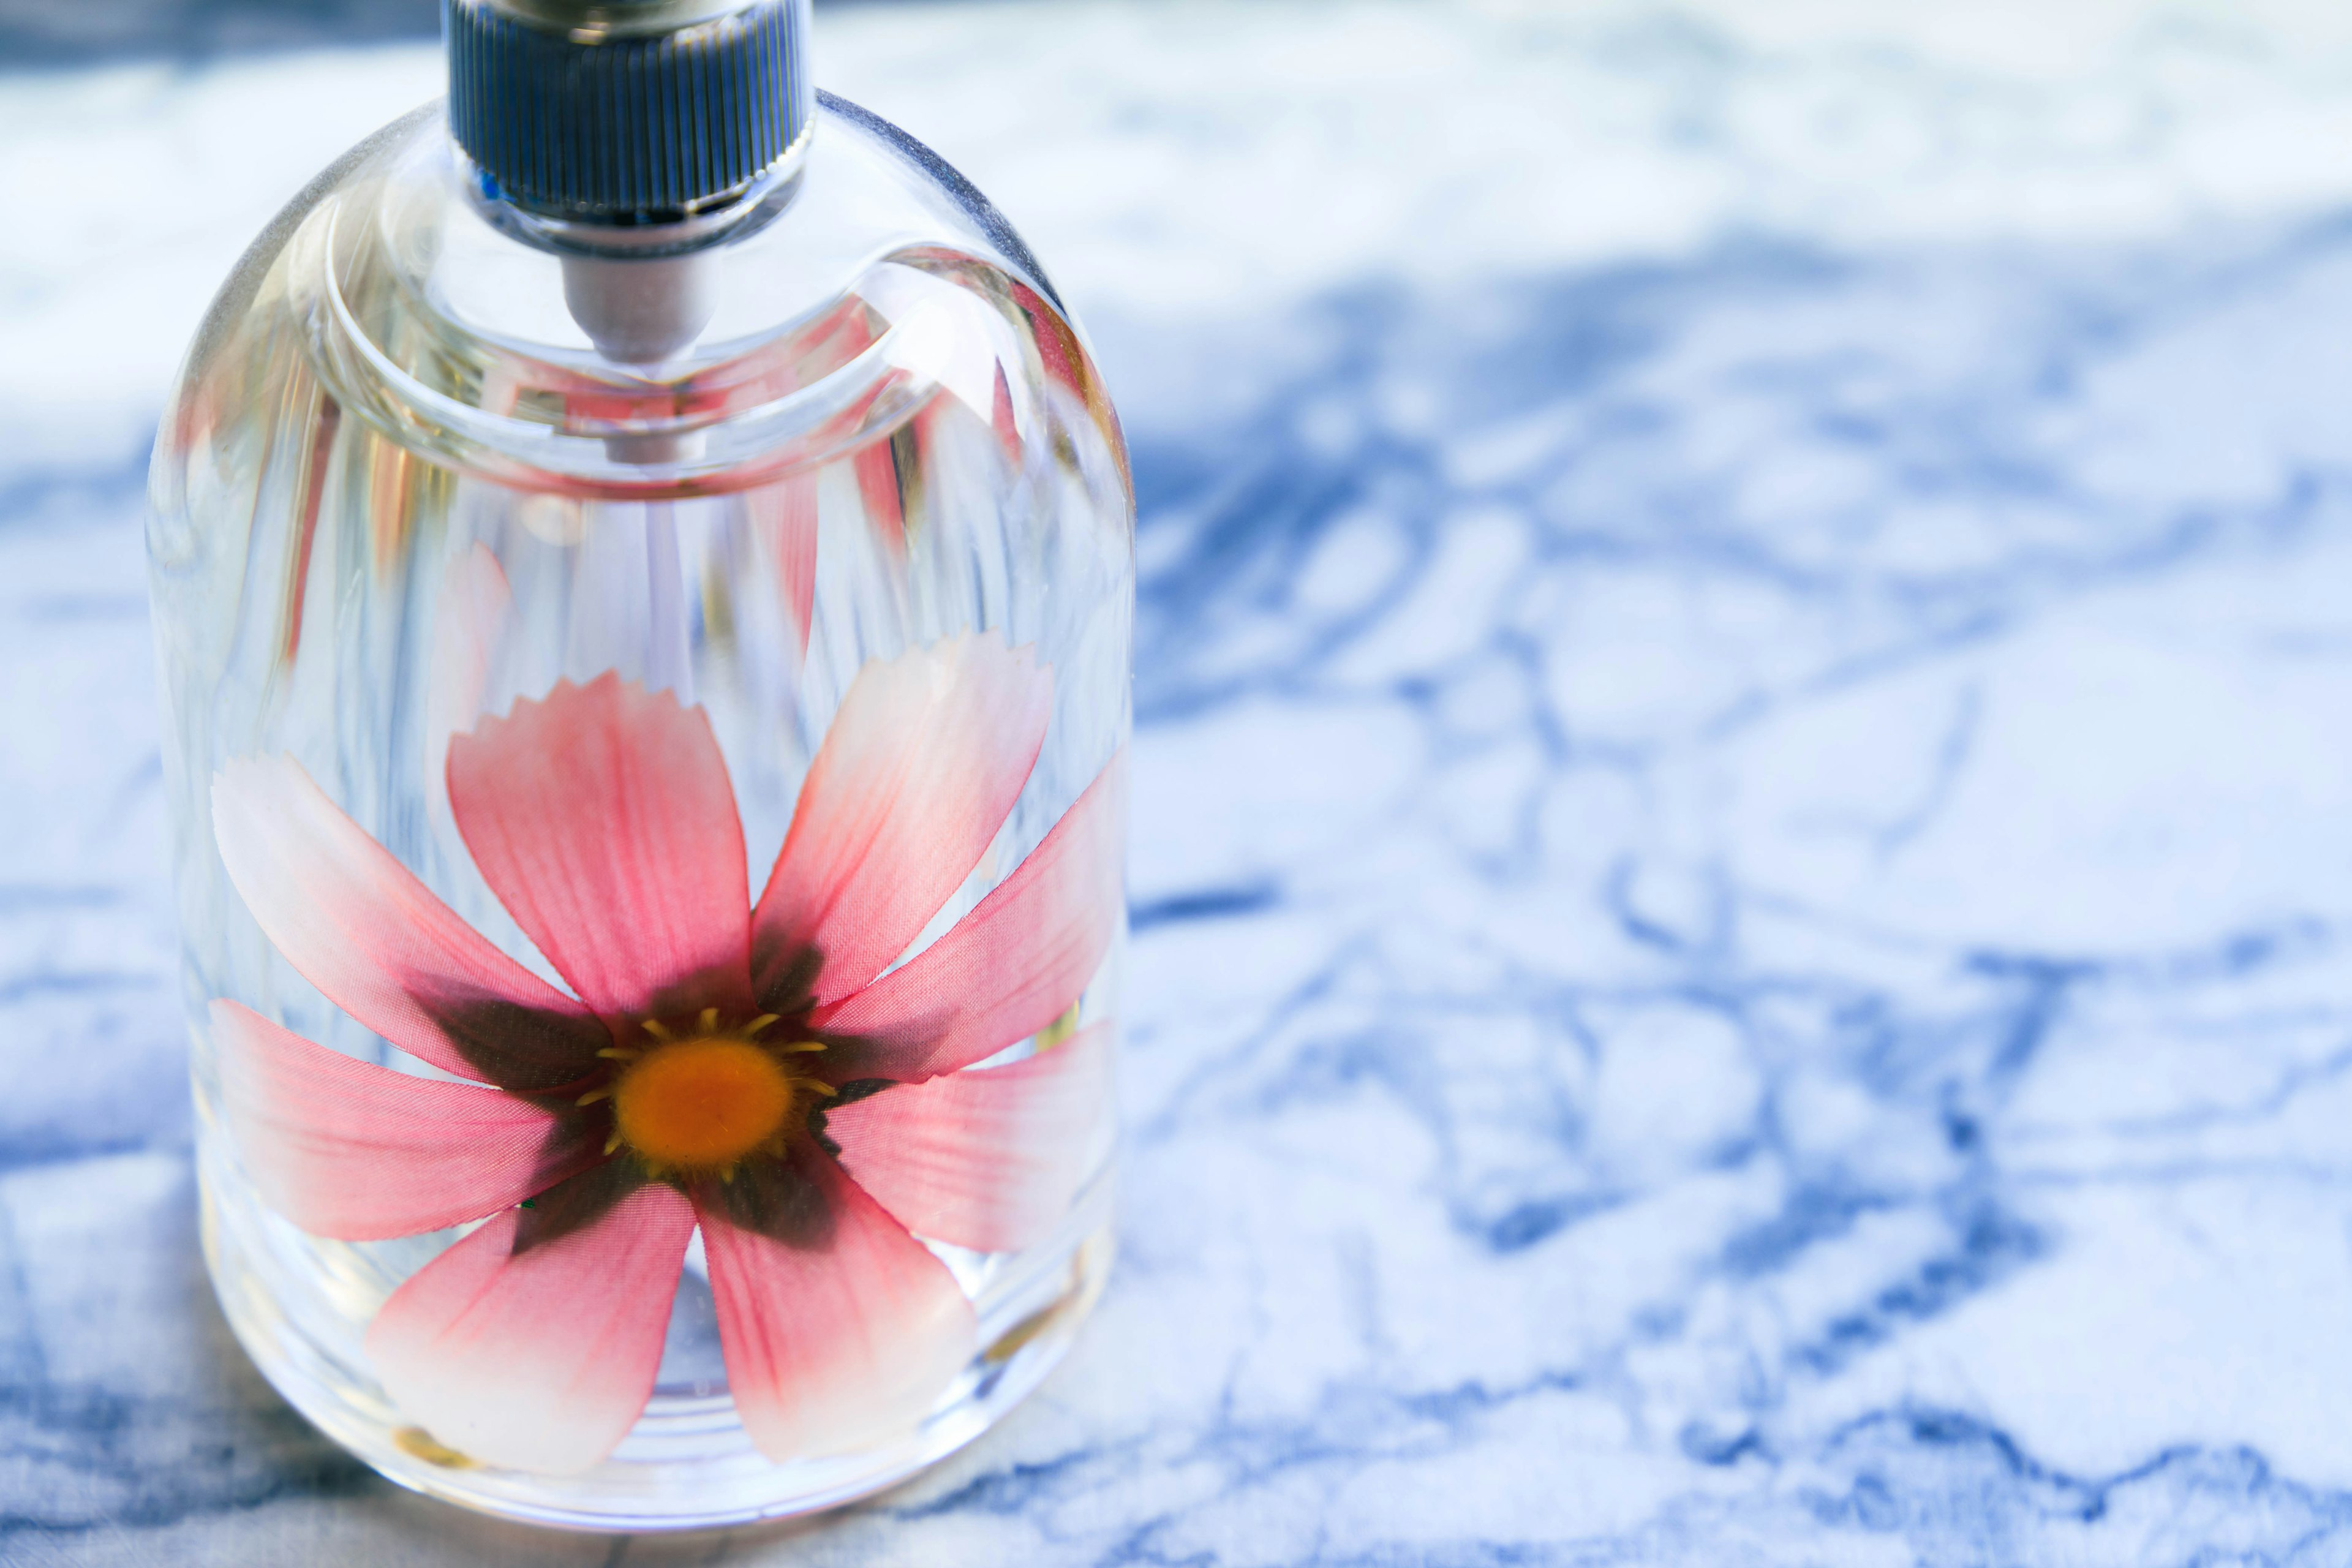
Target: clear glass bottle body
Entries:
(399, 498)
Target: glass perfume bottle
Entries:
(642, 573)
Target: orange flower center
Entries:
(704, 1103)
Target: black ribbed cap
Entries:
(607, 112)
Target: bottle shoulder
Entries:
(880, 281)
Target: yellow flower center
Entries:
(703, 1103)
(700, 1102)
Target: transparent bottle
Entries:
(643, 575)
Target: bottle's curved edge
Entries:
(969, 196)
(991, 222)
(1027, 1354)
(1000, 232)
(236, 297)
(232, 303)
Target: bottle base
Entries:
(687, 1464)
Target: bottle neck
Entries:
(631, 138)
(642, 292)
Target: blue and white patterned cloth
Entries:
(1743, 865)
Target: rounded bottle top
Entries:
(829, 310)
(627, 113)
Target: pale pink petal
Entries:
(988, 1158)
(1064, 360)
(313, 486)
(839, 1329)
(1001, 418)
(918, 770)
(532, 1351)
(603, 818)
(1007, 969)
(359, 1153)
(786, 512)
(1059, 350)
(879, 467)
(468, 614)
(361, 929)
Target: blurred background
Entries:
(1742, 868)
(52, 35)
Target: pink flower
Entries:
(751, 1069)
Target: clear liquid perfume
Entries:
(643, 571)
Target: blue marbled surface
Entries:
(1743, 867)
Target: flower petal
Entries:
(359, 1153)
(919, 769)
(603, 818)
(535, 1345)
(881, 469)
(989, 1158)
(359, 926)
(839, 1329)
(1065, 362)
(785, 513)
(1004, 970)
